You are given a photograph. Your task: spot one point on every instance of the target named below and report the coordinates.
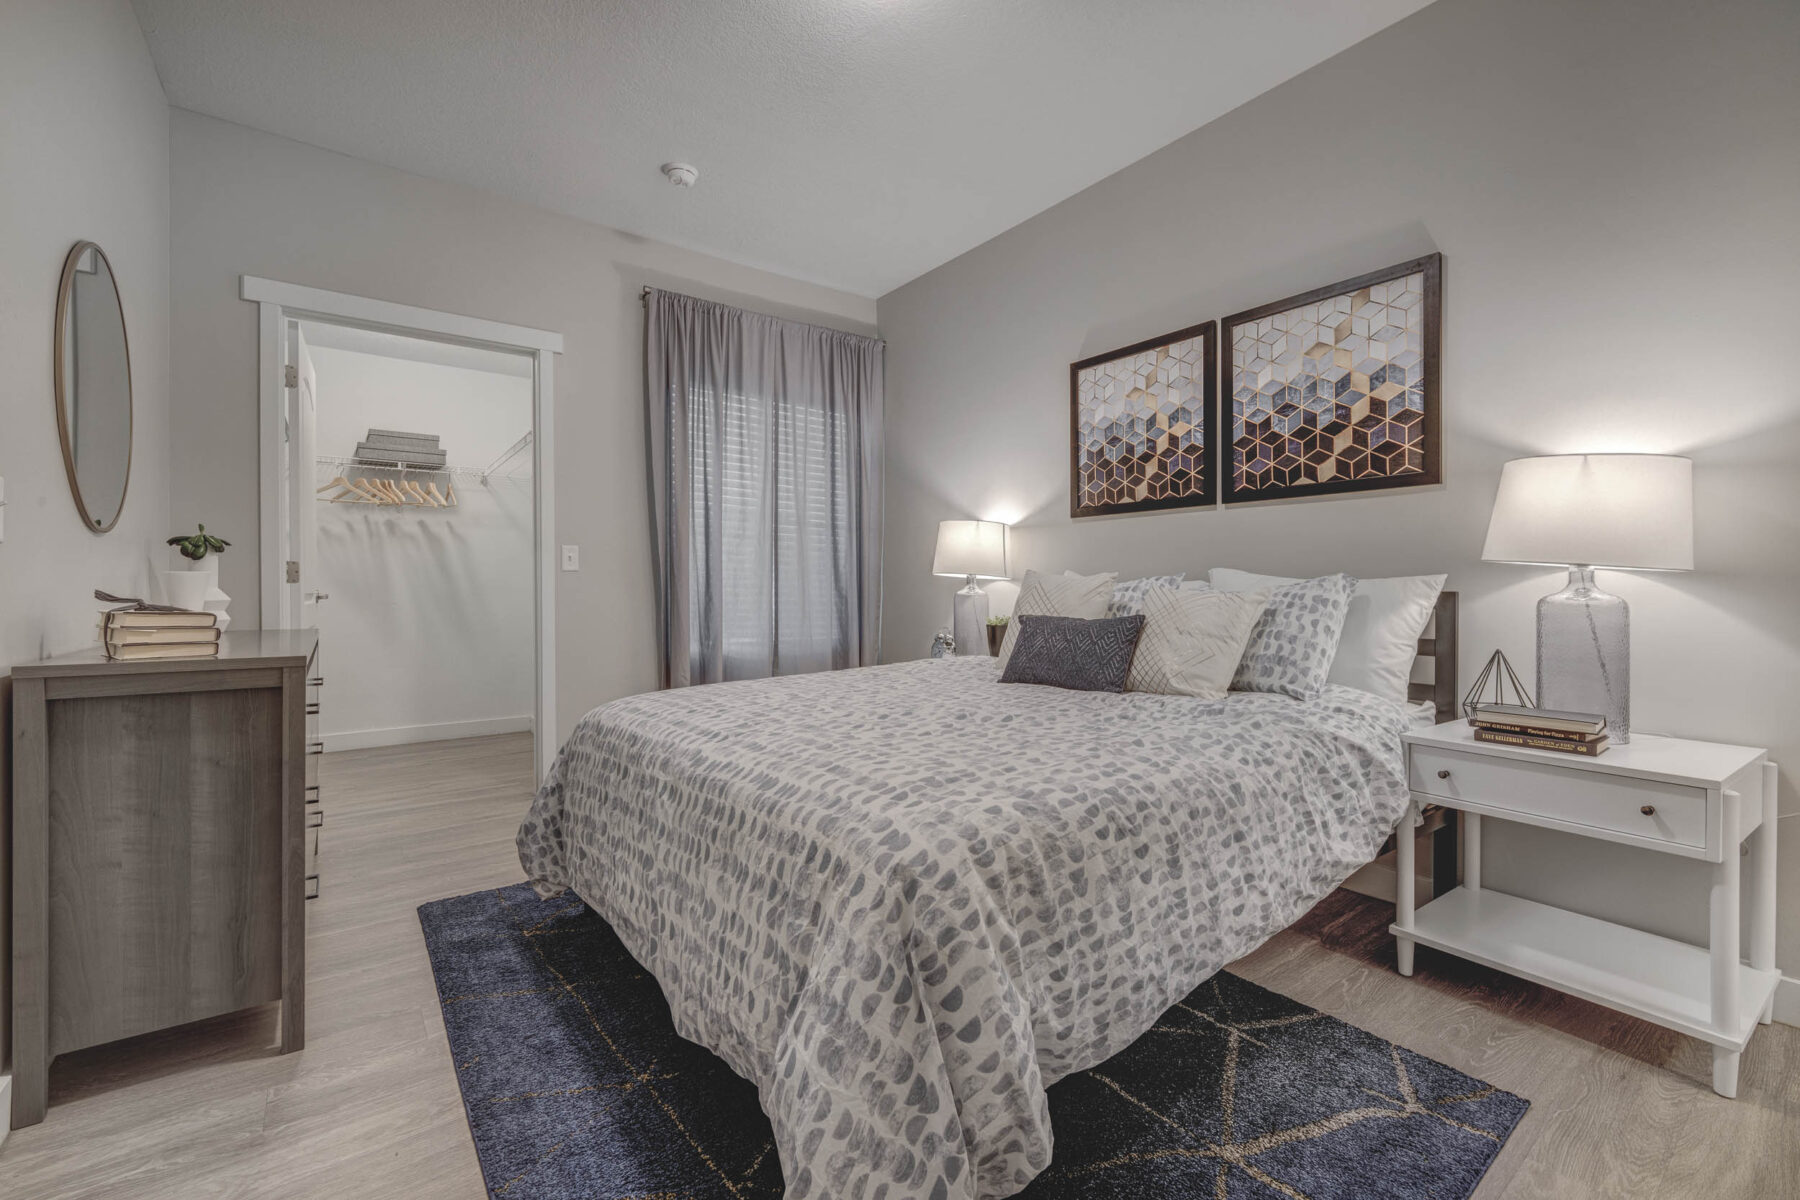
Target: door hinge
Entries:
(293, 571)
(290, 375)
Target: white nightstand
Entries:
(1693, 799)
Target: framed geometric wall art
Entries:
(1336, 390)
(1141, 422)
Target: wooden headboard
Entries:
(1439, 648)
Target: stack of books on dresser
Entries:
(1540, 728)
(133, 633)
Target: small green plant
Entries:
(998, 622)
(198, 545)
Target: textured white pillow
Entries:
(1057, 596)
(1381, 631)
(1192, 641)
(1128, 596)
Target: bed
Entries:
(904, 900)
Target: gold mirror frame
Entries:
(64, 298)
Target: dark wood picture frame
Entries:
(1432, 267)
(1200, 494)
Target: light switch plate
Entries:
(571, 559)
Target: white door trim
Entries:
(277, 303)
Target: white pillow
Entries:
(1381, 632)
(1192, 641)
(1083, 596)
(1128, 597)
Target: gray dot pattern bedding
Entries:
(903, 900)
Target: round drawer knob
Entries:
(1444, 773)
(1649, 810)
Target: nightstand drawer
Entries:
(1588, 798)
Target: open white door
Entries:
(287, 458)
(299, 528)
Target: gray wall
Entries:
(84, 154)
(1612, 185)
(252, 203)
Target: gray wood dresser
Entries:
(160, 845)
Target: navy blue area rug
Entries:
(578, 1087)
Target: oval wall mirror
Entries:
(93, 386)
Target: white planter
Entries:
(187, 589)
(206, 570)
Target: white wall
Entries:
(429, 621)
(248, 202)
(1612, 185)
(84, 154)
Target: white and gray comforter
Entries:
(903, 900)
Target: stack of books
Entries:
(129, 633)
(1540, 728)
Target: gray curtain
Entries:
(764, 439)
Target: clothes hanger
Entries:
(368, 489)
(348, 493)
(376, 489)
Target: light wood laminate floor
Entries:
(370, 1108)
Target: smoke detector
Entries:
(680, 174)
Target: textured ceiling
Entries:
(857, 143)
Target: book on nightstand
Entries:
(1545, 722)
(1591, 746)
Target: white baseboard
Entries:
(400, 735)
(1787, 1000)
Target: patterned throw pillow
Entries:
(1381, 630)
(1292, 646)
(1071, 652)
(1056, 596)
(1128, 597)
(1193, 640)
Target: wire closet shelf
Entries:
(396, 482)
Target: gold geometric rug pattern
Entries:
(577, 1086)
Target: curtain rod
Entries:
(644, 294)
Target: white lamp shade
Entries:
(971, 548)
(1598, 510)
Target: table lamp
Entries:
(1631, 512)
(976, 550)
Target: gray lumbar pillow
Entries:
(1072, 652)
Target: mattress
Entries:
(903, 900)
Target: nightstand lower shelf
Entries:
(1656, 978)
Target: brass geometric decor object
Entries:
(1336, 390)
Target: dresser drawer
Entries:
(1586, 798)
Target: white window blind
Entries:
(771, 483)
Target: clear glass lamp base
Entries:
(969, 625)
(1584, 653)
